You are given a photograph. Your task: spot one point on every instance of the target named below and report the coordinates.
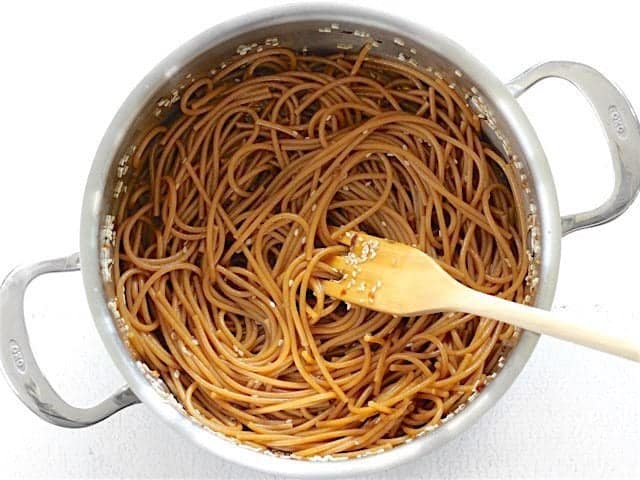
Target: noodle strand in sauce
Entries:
(235, 203)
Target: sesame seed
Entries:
(344, 46)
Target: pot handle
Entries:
(20, 366)
(621, 127)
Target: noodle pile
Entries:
(235, 204)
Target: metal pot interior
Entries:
(319, 37)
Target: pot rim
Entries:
(92, 210)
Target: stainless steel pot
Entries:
(320, 28)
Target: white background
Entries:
(65, 70)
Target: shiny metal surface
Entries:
(19, 365)
(323, 28)
(620, 126)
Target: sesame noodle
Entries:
(236, 202)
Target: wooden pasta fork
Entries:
(394, 278)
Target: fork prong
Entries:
(339, 263)
(345, 238)
(333, 289)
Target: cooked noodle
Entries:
(232, 211)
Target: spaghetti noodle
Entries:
(234, 206)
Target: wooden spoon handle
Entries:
(544, 322)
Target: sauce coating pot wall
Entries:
(320, 29)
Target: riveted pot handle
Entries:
(19, 365)
(621, 127)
